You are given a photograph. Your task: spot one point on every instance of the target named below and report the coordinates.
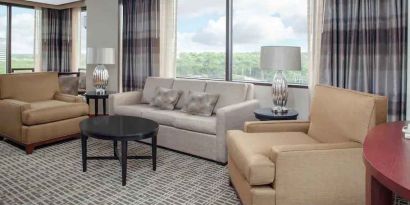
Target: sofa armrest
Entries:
(277, 126)
(10, 116)
(232, 117)
(68, 98)
(126, 98)
(320, 174)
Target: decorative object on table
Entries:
(280, 58)
(96, 96)
(199, 103)
(123, 129)
(266, 114)
(100, 57)
(406, 132)
(165, 99)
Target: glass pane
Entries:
(267, 23)
(22, 38)
(201, 39)
(83, 40)
(3, 37)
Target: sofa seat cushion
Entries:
(132, 110)
(195, 123)
(52, 111)
(251, 152)
(163, 117)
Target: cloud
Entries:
(256, 23)
(22, 33)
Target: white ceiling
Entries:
(54, 2)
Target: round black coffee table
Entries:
(119, 128)
(265, 114)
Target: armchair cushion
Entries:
(251, 152)
(68, 98)
(51, 111)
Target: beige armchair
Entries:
(316, 162)
(33, 112)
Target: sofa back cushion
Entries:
(185, 86)
(229, 93)
(151, 85)
(29, 87)
(339, 115)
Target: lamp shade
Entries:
(101, 56)
(280, 58)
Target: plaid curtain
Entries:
(140, 42)
(364, 48)
(56, 40)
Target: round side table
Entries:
(265, 114)
(96, 96)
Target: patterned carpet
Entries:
(53, 175)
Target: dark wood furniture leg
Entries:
(104, 106)
(154, 152)
(377, 193)
(124, 149)
(29, 148)
(96, 107)
(84, 151)
(115, 142)
(88, 100)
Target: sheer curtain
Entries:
(37, 40)
(168, 34)
(75, 33)
(315, 13)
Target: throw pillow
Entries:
(165, 98)
(199, 103)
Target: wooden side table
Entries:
(387, 161)
(265, 114)
(96, 96)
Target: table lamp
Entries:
(100, 57)
(280, 58)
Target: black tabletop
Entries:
(268, 114)
(96, 95)
(119, 128)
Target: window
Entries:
(202, 32)
(267, 23)
(83, 40)
(201, 39)
(22, 37)
(3, 39)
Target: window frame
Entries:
(229, 54)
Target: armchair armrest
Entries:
(68, 98)
(320, 174)
(10, 116)
(277, 126)
(232, 117)
(126, 98)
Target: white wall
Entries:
(299, 99)
(102, 32)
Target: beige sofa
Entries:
(196, 135)
(307, 162)
(33, 112)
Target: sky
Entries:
(22, 29)
(256, 23)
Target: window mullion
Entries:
(229, 28)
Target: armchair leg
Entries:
(1, 138)
(230, 182)
(29, 149)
